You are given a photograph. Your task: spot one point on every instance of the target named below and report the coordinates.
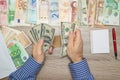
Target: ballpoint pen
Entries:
(114, 42)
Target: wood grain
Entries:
(102, 66)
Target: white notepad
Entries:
(99, 41)
(6, 63)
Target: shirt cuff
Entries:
(79, 69)
(31, 66)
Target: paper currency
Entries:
(111, 14)
(11, 12)
(91, 12)
(65, 29)
(74, 6)
(43, 11)
(99, 12)
(82, 10)
(65, 10)
(17, 53)
(44, 31)
(21, 11)
(23, 39)
(48, 35)
(12, 34)
(54, 12)
(32, 12)
(3, 12)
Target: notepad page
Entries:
(6, 64)
(99, 41)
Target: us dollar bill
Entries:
(66, 27)
(48, 35)
(17, 53)
(44, 31)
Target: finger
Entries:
(40, 44)
(78, 36)
(71, 38)
(51, 50)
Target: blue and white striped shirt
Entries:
(79, 71)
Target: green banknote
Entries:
(11, 11)
(17, 53)
(66, 27)
(111, 12)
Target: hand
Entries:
(38, 53)
(75, 46)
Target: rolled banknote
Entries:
(65, 29)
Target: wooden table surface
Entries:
(102, 66)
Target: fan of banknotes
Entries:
(65, 29)
(44, 31)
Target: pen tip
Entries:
(116, 58)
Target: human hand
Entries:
(38, 53)
(75, 46)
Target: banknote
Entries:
(111, 14)
(11, 12)
(20, 12)
(44, 31)
(32, 12)
(99, 12)
(3, 12)
(65, 10)
(119, 6)
(13, 34)
(48, 35)
(54, 12)
(74, 6)
(91, 12)
(17, 53)
(43, 11)
(83, 12)
(65, 29)
(23, 39)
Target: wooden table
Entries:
(103, 66)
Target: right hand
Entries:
(75, 46)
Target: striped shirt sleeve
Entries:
(27, 72)
(80, 71)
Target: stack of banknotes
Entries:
(16, 42)
(44, 31)
(65, 29)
